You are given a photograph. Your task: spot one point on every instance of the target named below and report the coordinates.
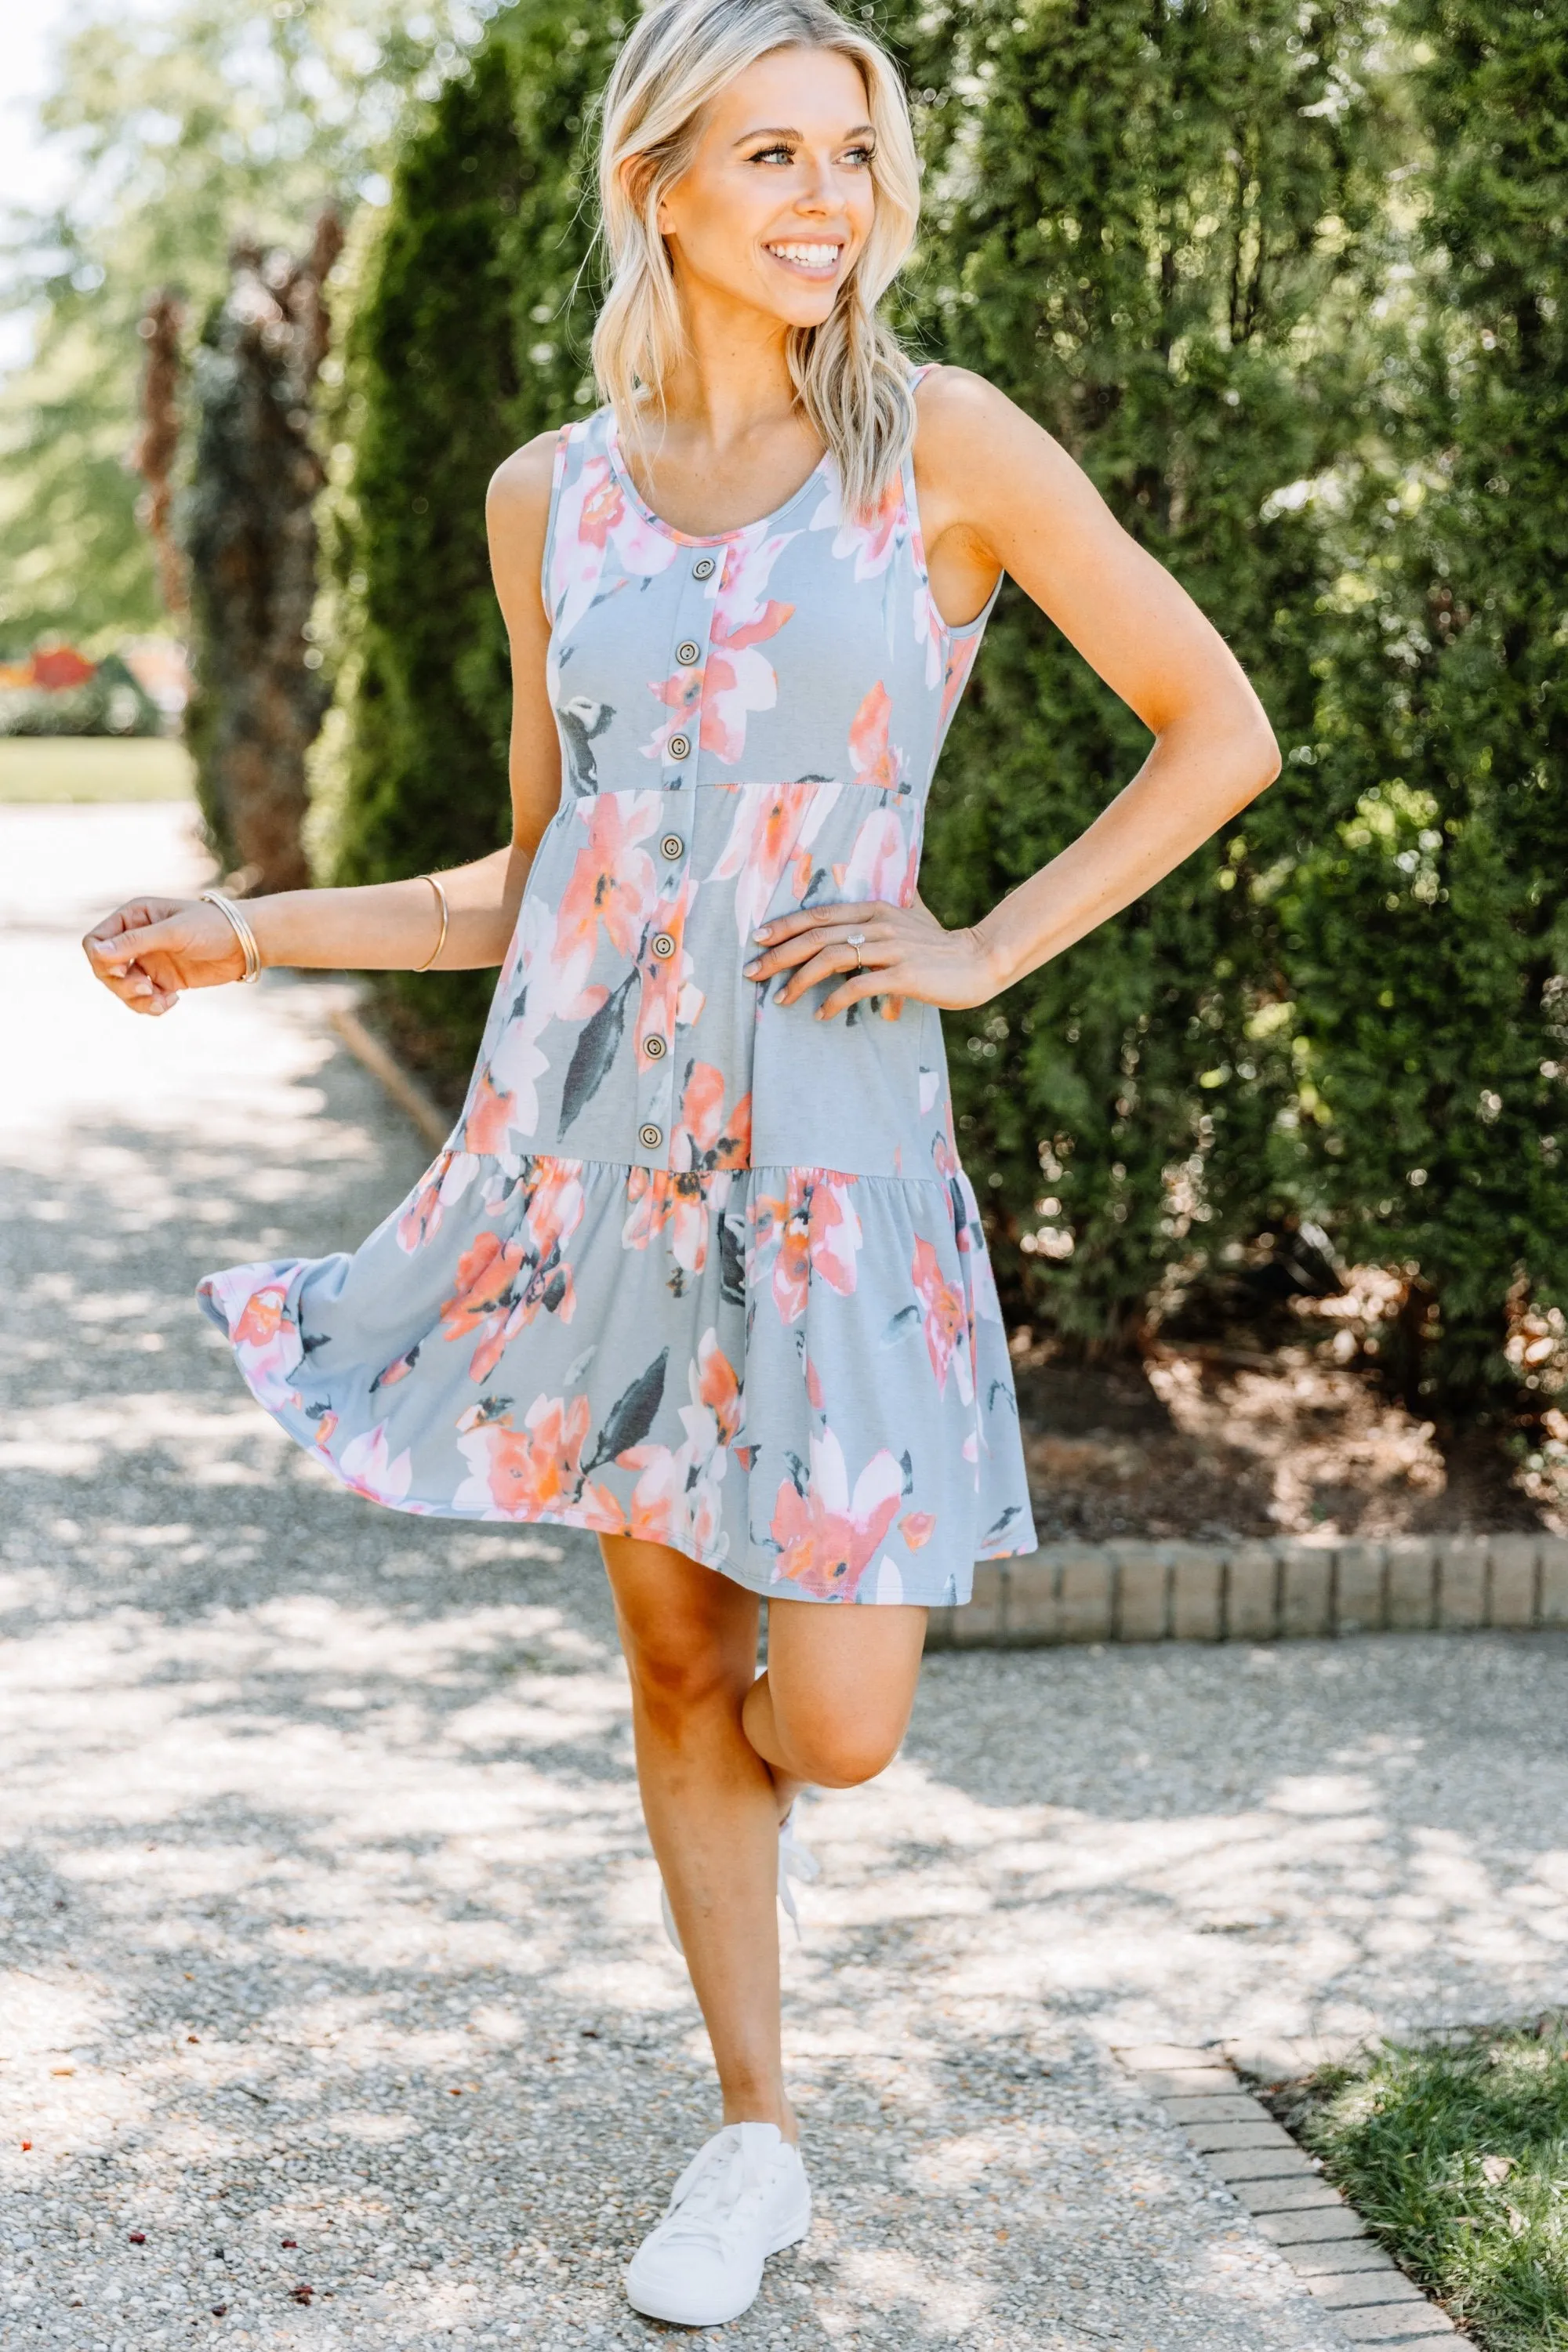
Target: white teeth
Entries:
(809, 257)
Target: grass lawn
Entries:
(1455, 2153)
(92, 768)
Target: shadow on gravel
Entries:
(331, 1932)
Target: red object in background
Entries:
(59, 667)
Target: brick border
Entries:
(1260, 1591)
(1184, 1591)
(1307, 2220)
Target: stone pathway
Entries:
(334, 2005)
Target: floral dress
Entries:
(693, 1266)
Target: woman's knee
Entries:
(835, 1753)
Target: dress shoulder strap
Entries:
(557, 481)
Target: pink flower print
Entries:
(772, 827)
(959, 662)
(363, 1464)
(442, 1184)
(716, 1388)
(736, 678)
(612, 883)
(703, 1138)
(945, 1321)
(882, 862)
(503, 1287)
(601, 542)
(916, 1528)
(813, 1228)
(485, 1275)
(825, 1535)
(874, 759)
(669, 994)
(489, 1114)
(534, 1472)
(253, 1300)
(703, 1147)
(870, 539)
(677, 1497)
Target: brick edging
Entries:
(1254, 1591)
(1318, 2231)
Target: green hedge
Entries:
(1297, 312)
(468, 341)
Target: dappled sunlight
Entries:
(331, 1929)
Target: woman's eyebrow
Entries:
(860, 131)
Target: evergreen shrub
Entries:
(1151, 229)
(470, 338)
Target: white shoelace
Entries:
(707, 2201)
(795, 1860)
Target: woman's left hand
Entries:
(884, 951)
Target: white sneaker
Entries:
(744, 2196)
(795, 1860)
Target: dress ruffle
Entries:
(509, 1361)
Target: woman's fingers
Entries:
(148, 950)
(789, 938)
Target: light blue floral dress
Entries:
(693, 1266)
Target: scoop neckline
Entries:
(623, 474)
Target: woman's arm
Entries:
(151, 950)
(997, 493)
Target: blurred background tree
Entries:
(189, 128)
(248, 528)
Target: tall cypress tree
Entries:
(1146, 224)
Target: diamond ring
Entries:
(857, 940)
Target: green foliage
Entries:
(190, 126)
(470, 338)
(1285, 284)
(1432, 1012)
(1151, 229)
(1454, 2154)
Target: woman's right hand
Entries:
(151, 950)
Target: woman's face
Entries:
(778, 199)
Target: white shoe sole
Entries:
(689, 2313)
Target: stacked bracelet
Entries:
(441, 902)
(242, 932)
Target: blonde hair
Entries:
(851, 378)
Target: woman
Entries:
(700, 1269)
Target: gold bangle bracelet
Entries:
(242, 932)
(441, 902)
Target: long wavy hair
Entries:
(850, 375)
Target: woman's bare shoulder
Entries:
(521, 485)
(957, 414)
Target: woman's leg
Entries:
(835, 1699)
(711, 1806)
(720, 1752)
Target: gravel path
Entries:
(332, 1971)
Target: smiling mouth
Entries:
(807, 260)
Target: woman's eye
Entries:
(860, 155)
(769, 154)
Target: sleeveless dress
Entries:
(693, 1266)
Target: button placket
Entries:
(694, 621)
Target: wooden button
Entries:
(663, 945)
(672, 846)
(679, 745)
(688, 653)
(650, 1137)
